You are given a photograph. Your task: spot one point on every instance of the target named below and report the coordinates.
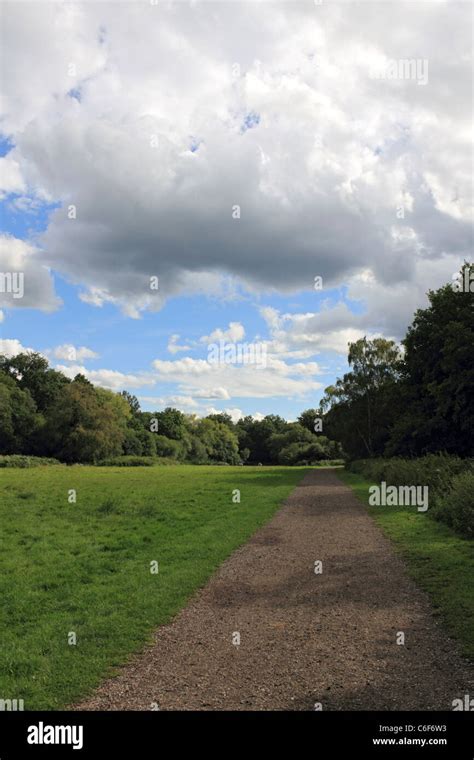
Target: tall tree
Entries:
(438, 375)
(358, 407)
(32, 372)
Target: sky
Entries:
(291, 176)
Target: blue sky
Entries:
(121, 160)
(130, 345)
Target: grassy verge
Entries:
(441, 562)
(84, 568)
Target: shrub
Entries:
(147, 440)
(132, 445)
(21, 460)
(127, 461)
(457, 508)
(167, 447)
(440, 472)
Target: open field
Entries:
(441, 562)
(84, 568)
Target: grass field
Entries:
(84, 568)
(441, 562)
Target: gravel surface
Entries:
(305, 638)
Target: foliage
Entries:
(440, 473)
(22, 461)
(415, 400)
(127, 461)
(457, 509)
(393, 401)
(18, 416)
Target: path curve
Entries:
(305, 638)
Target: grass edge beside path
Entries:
(438, 560)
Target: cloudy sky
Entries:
(236, 151)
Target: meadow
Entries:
(84, 582)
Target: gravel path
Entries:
(305, 638)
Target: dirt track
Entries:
(305, 638)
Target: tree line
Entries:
(413, 399)
(406, 400)
(43, 413)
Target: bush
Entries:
(21, 460)
(434, 470)
(127, 461)
(457, 508)
(132, 445)
(167, 447)
(440, 472)
(132, 461)
(148, 444)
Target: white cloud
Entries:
(12, 347)
(174, 401)
(199, 378)
(107, 378)
(234, 413)
(341, 151)
(235, 332)
(70, 353)
(174, 347)
(18, 256)
(11, 180)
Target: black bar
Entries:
(154, 734)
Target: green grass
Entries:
(85, 567)
(441, 562)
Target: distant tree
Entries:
(19, 419)
(132, 401)
(148, 443)
(294, 434)
(171, 423)
(358, 408)
(222, 417)
(255, 435)
(82, 425)
(132, 444)
(167, 447)
(311, 419)
(220, 443)
(197, 452)
(32, 373)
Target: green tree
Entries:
(359, 407)
(310, 418)
(220, 443)
(83, 425)
(132, 401)
(171, 423)
(438, 376)
(19, 419)
(32, 373)
(255, 435)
